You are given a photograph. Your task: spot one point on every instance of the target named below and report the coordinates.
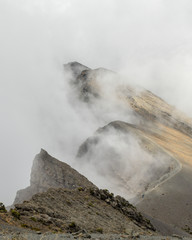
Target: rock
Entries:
(177, 236)
(2, 208)
(123, 206)
(81, 212)
(135, 235)
(81, 234)
(75, 68)
(48, 172)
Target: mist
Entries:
(149, 43)
(117, 160)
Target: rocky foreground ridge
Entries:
(92, 210)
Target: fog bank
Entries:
(149, 42)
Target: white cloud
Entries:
(149, 41)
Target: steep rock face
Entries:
(49, 172)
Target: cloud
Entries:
(118, 159)
(149, 42)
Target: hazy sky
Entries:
(149, 41)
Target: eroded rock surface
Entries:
(49, 172)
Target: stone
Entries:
(48, 172)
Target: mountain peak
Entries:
(48, 172)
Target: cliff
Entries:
(48, 172)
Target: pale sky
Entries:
(149, 41)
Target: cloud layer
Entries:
(148, 42)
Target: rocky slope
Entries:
(93, 210)
(48, 172)
(78, 211)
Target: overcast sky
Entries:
(149, 41)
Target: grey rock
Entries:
(48, 172)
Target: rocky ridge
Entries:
(79, 211)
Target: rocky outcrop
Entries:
(2, 208)
(122, 205)
(49, 172)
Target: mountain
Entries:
(141, 149)
(67, 203)
(166, 196)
